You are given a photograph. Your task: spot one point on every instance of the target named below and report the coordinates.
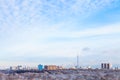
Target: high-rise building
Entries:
(105, 65)
(102, 65)
(50, 67)
(40, 67)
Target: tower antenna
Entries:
(77, 61)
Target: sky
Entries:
(36, 32)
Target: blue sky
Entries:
(55, 31)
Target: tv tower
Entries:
(77, 61)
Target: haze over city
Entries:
(54, 31)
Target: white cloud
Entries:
(33, 41)
(26, 32)
(101, 30)
(28, 11)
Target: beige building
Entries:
(51, 67)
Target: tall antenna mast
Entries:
(77, 61)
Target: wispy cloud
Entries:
(29, 11)
(36, 42)
(27, 27)
(103, 30)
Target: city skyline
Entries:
(55, 31)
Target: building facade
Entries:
(105, 66)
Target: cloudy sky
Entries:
(55, 31)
